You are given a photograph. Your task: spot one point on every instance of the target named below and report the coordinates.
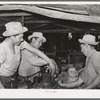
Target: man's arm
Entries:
(96, 63)
(40, 54)
(38, 62)
(95, 83)
(80, 71)
(2, 59)
(72, 84)
(33, 59)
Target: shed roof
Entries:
(53, 18)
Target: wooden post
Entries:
(22, 20)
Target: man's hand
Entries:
(60, 82)
(48, 69)
(80, 71)
(52, 66)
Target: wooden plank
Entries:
(22, 20)
(65, 10)
(56, 31)
(39, 26)
(53, 13)
(74, 31)
(14, 14)
(38, 21)
(63, 15)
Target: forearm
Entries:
(39, 64)
(69, 85)
(37, 61)
(94, 84)
(72, 84)
(80, 71)
(42, 55)
(38, 52)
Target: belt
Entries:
(30, 78)
(22, 79)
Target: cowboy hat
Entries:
(14, 28)
(37, 34)
(88, 39)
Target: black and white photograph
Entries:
(49, 46)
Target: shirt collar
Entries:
(90, 53)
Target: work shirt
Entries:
(30, 63)
(9, 61)
(92, 68)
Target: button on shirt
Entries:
(8, 61)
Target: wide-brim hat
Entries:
(14, 28)
(37, 34)
(88, 39)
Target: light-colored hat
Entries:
(37, 34)
(13, 28)
(89, 39)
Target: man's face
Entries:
(37, 43)
(84, 49)
(18, 39)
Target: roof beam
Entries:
(65, 10)
(63, 15)
(38, 21)
(53, 13)
(56, 31)
(14, 14)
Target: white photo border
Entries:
(48, 93)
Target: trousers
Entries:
(9, 81)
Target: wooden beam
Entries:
(65, 10)
(55, 31)
(40, 26)
(22, 20)
(53, 13)
(70, 27)
(76, 31)
(38, 21)
(14, 14)
(63, 15)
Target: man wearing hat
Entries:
(31, 63)
(10, 52)
(90, 75)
